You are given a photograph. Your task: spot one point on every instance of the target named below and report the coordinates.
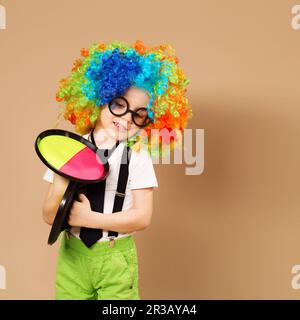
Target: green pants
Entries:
(101, 272)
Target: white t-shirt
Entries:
(141, 175)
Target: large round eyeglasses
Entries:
(119, 106)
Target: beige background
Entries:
(231, 232)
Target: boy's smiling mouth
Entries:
(119, 126)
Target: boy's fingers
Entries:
(82, 197)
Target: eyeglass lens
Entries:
(119, 107)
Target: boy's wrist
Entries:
(58, 193)
(93, 220)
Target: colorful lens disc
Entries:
(71, 157)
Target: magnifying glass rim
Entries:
(79, 138)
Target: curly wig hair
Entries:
(105, 71)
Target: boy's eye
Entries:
(120, 105)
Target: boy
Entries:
(116, 90)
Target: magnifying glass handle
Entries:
(60, 222)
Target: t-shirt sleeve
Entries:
(142, 173)
(48, 175)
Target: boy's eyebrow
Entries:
(135, 108)
(138, 107)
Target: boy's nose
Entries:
(127, 117)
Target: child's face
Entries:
(137, 98)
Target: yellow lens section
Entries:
(57, 150)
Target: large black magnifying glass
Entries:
(75, 158)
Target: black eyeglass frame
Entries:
(131, 111)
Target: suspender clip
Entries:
(111, 241)
(120, 194)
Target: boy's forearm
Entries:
(125, 221)
(50, 207)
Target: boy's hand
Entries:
(80, 212)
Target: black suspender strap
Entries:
(122, 183)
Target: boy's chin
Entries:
(125, 135)
(121, 135)
(117, 135)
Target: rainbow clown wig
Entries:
(105, 71)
